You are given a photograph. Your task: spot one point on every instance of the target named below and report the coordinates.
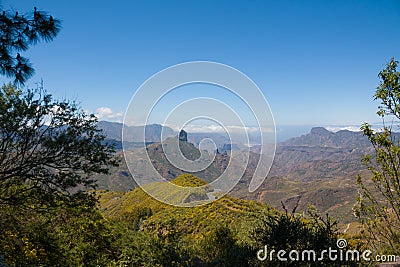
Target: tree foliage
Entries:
(295, 232)
(69, 237)
(50, 153)
(378, 205)
(49, 150)
(220, 247)
(17, 33)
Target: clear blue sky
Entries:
(315, 61)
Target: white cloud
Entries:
(355, 128)
(107, 113)
(351, 128)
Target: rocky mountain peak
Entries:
(320, 131)
(183, 136)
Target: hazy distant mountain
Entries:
(320, 136)
(133, 135)
(321, 154)
(113, 130)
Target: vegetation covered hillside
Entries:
(226, 232)
(125, 204)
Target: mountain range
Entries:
(318, 168)
(133, 135)
(113, 130)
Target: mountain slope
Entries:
(137, 161)
(160, 217)
(319, 168)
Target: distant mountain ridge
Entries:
(134, 134)
(320, 136)
(321, 154)
(113, 130)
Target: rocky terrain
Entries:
(318, 169)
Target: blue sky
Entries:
(315, 61)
